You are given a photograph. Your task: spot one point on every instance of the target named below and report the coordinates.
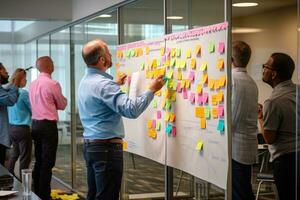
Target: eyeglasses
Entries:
(267, 66)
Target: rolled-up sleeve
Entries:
(119, 102)
(272, 116)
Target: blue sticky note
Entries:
(168, 128)
(221, 126)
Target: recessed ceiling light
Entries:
(105, 15)
(174, 17)
(246, 4)
(246, 30)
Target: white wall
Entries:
(279, 35)
(83, 8)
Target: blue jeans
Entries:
(241, 181)
(104, 164)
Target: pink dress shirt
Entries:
(46, 98)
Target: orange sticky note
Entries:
(193, 63)
(149, 124)
(199, 89)
(188, 53)
(222, 81)
(217, 84)
(173, 97)
(199, 112)
(147, 50)
(220, 96)
(204, 78)
(215, 113)
(172, 117)
(187, 83)
(198, 50)
(211, 83)
(214, 99)
(152, 133)
(220, 64)
(203, 123)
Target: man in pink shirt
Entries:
(45, 98)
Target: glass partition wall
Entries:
(143, 19)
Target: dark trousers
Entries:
(104, 170)
(45, 136)
(285, 177)
(22, 145)
(241, 181)
(2, 154)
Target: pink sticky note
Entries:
(192, 97)
(220, 111)
(179, 89)
(158, 114)
(199, 99)
(173, 131)
(168, 51)
(192, 76)
(163, 59)
(184, 93)
(221, 48)
(205, 98)
(154, 124)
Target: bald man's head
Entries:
(45, 64)
(92, 51)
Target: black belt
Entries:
(104, 141)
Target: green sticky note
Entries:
(170, 74)
(132, 53)
(211, 47)
(165, 78)
(168, 105)
(207, 112)
(178, 52)
(158, 62)
(154, 103)
(173, 62)
(183, 64)
(158, 126)
(127, 53)
(143, 66)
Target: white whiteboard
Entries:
(210, 163)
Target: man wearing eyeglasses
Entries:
(244, 122)
(278, 123)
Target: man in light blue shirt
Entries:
(102, 105)
(19, 116)
(8, 97)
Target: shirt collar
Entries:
(283, 84)
(239, 69)
(92, 70)
(45, 74)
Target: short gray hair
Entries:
(241, 53)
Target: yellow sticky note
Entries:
(170, 74)
(182, 84)
(173, 97)
(220, 64)
(217, 84)
(172, 117)
(149, 124)
(198, 50)
(188, 53)
(168, 94)
(154, 63)
(147, 50)
(193, 63)
(167, 116)
(211, 83)
(199, 89)
(162, 51)
(199, 112)
(167, 63)
(203, 123)
(152, 133)
(222, 81)
(199, 145)
(173, 52)
(183, 64)
(125, 145)
(203, 66)
(158, 93)
(204, 78)
(162, 71)
(178, 63)
(179, 75)
(215, 113)
(163, 103)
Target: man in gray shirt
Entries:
(244, 122)
(279, 123)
